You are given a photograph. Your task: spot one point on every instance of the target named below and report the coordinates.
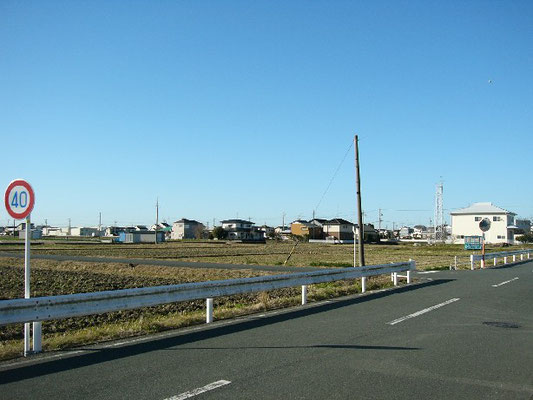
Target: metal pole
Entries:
(209, 311)
(27, 282)
(359, 210)
(304, 294)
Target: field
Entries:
(51, 277)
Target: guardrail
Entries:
(38, 309)
(495, 256)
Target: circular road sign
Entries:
(19, 199)
(484, 224)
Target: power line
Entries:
(334, 175)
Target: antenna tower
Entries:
(440, 233)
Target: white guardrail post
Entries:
(495, 261)
(304, 294)
(209, 311)
(363, 284)
(472, 262)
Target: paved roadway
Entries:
(165, 263)
(460, 335)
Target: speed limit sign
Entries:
(19, 199)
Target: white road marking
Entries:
(425, 310)
(198, 391)
(503, 283)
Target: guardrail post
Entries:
(37, 346)
(395, 278)
(528, 255)
(514, 257)
(495, 261)
(521, 256)
(408, 276)
(304, 294)
(455, 263)
(363, 284)
(505, 259)
(472, 262)
(27, 349)
(482, 263)
(209, 311)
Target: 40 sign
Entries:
(19, 199)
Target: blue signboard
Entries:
(473, 242)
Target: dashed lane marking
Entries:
(425, 310)
(197, 391)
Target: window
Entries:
(477, 218)
(501, 237)
(496, 218)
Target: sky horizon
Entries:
(220, 110)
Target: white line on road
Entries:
(425, 310)
(198, 391)
(503, 283)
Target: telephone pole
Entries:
(359, 209)
(156, 218)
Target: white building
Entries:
(465, 222)
(187, 229)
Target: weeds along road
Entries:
(460, 335)
(164, 263)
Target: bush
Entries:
(526, 238)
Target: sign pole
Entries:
(483, 251)
(19, 200)
(27, 281)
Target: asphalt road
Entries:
(165, 263)
(460, 335)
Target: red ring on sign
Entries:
(19, 182)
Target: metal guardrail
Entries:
(75, 305)
(495, 256)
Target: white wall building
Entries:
(465, 222)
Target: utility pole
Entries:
(359, 209)
(379, 219)
(156, 218)
(283, 222)
(99, 224)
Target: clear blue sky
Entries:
(246, 108)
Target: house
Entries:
(34, 234)
(187, 229)
(465, 222)
(303, 228)
(139, 236)
(338, 228)
(406, 232)
(84, 231)
(239, 229)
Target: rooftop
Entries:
(481, 208)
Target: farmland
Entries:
(51, 277)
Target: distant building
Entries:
(465, 222)
(187, 229)
(338, 228)
(34, 234)
(239, 229)
(303, 228)
(139, 236)
(84, 231)
(406, 232)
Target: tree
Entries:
(220, 233)
(526, 238)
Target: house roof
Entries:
(236, 221)
(481, 208)
(187, 221)
(337, 221)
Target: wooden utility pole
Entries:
(359, 210)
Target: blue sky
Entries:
(246, 108)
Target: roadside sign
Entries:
(19, 199)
